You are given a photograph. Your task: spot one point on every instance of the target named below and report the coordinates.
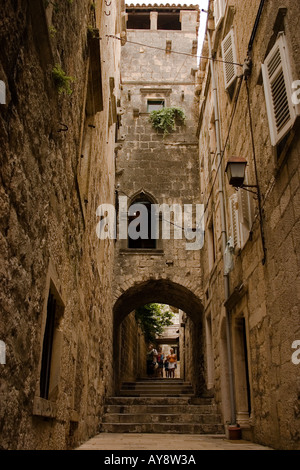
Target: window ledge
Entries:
(45, 408)
(74, 416)
(141, 251)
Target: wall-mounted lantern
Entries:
(235, 170)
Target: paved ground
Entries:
(163, 442)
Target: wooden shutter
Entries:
(234, 220)
(278, 90)
(219, 10)
(230, 59)
(245, 216)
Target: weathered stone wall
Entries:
(266, 297)
(193, 354)
(133, 350)
(48, 222)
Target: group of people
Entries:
(157, 363)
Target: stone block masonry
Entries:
(263, 301)
(162, 169)
(57, 165)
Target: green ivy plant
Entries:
(61, 80)
(165, 119)
(52, 31)
(152, 319)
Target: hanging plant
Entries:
(62, 81)
(152, 319)
(165, 119)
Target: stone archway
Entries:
(167, 292)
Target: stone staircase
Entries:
(160, 406)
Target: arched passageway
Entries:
(165, 291)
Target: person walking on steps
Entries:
(151, 361)
(172, 360)
(160, 361)
(166, 365)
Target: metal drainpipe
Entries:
(257, 20)
(224, 233)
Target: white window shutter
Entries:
(245, 211)
(278, 90)
(219, 11)
(230, 59)
(244, 207)
(234, 220)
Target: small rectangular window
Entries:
(50, 365)
(168, 21)
(138, 20)
(211, 246)
(155, 105)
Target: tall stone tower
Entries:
(158, 71)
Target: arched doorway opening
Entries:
(140, 209)
(165, 291)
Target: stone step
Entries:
(162, 418)
(162, 389)
(155, 393)
(158, 381)
(163, 400)
(157, 387)
(168, 384)
(162, 428)
(162, 408)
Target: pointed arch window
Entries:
(141, 224)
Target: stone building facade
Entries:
(158, 68)
(57, 166)
(248, 108)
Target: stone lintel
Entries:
(165, 91)
(131, 251)
(141, 83)
(235, 296)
